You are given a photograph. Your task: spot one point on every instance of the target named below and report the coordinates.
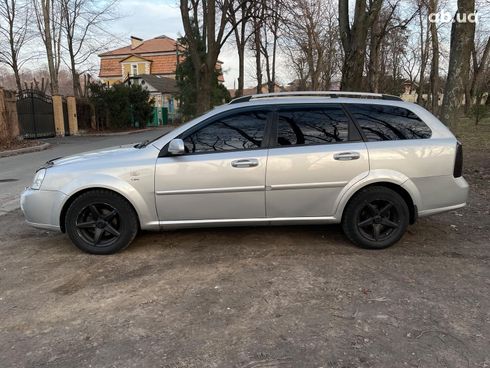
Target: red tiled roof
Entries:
(157, 44)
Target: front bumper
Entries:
(42, 208)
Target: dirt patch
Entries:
(297, 296)
(13, 144)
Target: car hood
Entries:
(104, 153)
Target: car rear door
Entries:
(316, 152)
(222, 174)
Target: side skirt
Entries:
(167, 225)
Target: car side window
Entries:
(240, 131)
(386, 123)
(312, 125)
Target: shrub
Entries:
(120, 106)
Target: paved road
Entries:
(16, 172)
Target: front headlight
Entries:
(38, 179)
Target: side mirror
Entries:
(176, 147)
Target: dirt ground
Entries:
(13, 144)
(254, 297)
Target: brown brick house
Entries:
(158, 56)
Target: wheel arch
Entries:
(388, 179)
(412, 207)
(78, 193)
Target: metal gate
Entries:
(36, 116)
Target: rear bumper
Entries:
(42, 208)
(448, 194)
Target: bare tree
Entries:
(266, 21)
(462, 34)
(14, 33)
(258, 16)
(298, 65)
(434, 66)
(410, 63)
(206, 26)
(424, 46)
(83, 24)
(311, 40)
(480, 55)
(49, 20)
(354, 39)
(240, 20)
(389, 24)
(269, 39)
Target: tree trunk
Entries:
(204, 88)
(15, 68)
(424, 47)
(354, 40)
(258, 61)
(462, 34)
(241, 42)
(478, 71)
(241, 70)
(434, 69)
(15, 62)
(47, 8)
(373, 66)
(77, 88)
(273, 71)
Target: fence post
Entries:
(4, 131)
(72, 114)
(10, 99)
(59, 121)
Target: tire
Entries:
(101, 222)
(375, 218)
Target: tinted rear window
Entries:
(317, 125)
(386, 123)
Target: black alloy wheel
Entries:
(378, 220)
(101, 222)
(376, 217)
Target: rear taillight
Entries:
(458, 162)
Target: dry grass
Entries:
(14, 143)
(473, 136)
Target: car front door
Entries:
(222, 173)
(317, 153)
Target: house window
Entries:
(134, 69)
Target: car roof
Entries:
(287, 100)
(310, 94)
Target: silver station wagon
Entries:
(368, 161)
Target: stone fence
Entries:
(9, 123)
(61, 113)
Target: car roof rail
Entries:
(329, 94)
(241, 99)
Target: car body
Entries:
(273, 159)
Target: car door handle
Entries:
(346, 156)
(250, 162)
